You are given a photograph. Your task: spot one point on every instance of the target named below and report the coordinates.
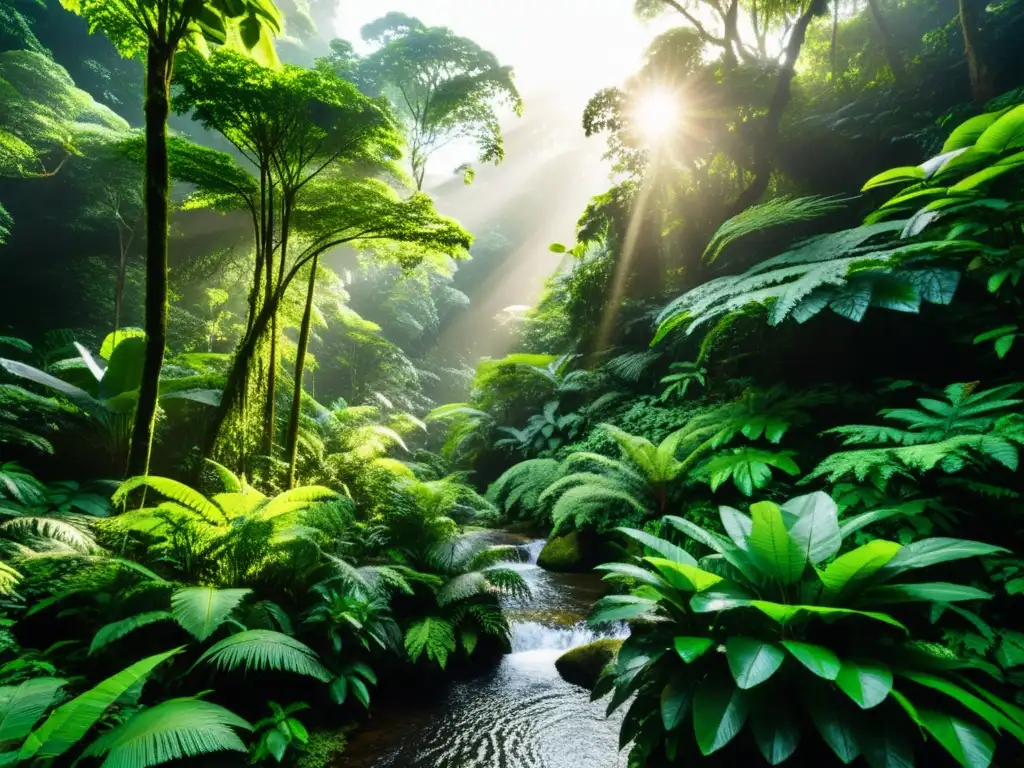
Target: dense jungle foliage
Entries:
(242, 478)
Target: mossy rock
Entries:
(323, 748)
(583, 666)
(564, 553)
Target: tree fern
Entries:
(777, 212)
(171, 730)
(230, 481)
(632, 365)
(67, 724)
(201, 610)
(265, 649)
(432, 636)
(114, 631)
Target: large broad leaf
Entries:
(931, 592)
(776, 730)
(171, 730)
(848, 572)
(968, 132)
(200, 610)
(732, 554)
(723, 597)
(813, 523)
(752, 661)
(21, 705)
(901, 175)
(664, 548)
(925, 552)
(114, 631)
(70, 722)
(883, 745)
(1007, 132)
(124, 370)
(854, 524)
(784, 613)
(834, 727)
(867, 683)
(682, 576)
(969, 745)
(675, 702)
(775, 552)
(621, 608)
(265, 649)
(719, 711)
(820, 660)
(736, 524)
(692, 648)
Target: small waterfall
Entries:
(534, 636)
(532, 550)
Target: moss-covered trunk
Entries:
(300, 363)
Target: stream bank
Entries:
(519, 715)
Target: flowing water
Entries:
(521, 715)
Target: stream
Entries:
(520, 715)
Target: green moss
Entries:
(583, 666)
(563, 553)
(323, 748)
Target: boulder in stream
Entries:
(582, 666)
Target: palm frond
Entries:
(173, 729)
(201, 610)
(265, 649)
(22, 705)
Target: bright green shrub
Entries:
(777, 631)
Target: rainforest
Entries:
(511, 384)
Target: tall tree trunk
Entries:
(892, 53)
(300, 364)
(983, 85)
(270, 407)
(833, 50)
(159, 63)
(767, 141)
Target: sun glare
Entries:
(656, 114)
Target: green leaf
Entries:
(22, 705)
(775, 552)
(666, 549)
(360, 691)
(1007, 132)
(850, 571)
(118, 629)
(720, 710)
(867, 683)
(1003, 344)
(276, 743)
(675, 703)
(776, 731)
(969, 745)
(786, 613)
(818, 659)
(339, 689)
(926, 552)
(432, 635)
(67, 724)
(200, 610)
(968, 132)
(724, 597)
(752, 661)
(936, 591)
(901, 175)
(682, 576)
(171, 730)
(621, 608)
(986, 711)
(692, 648)
(265, 649)
(813, 523)
(834, 728)
(736, 524)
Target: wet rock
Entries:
(563, 553)
(583, 666)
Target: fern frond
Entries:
(230, 481)
(777, 212)
(507, 581)
(171, 730)
(587, 503)
(70, 530)
(431, 635)
(295, 499)
(462, 587)
(631, 365)
(175, 491)
(265, 649)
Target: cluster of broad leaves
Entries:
(780, 633)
